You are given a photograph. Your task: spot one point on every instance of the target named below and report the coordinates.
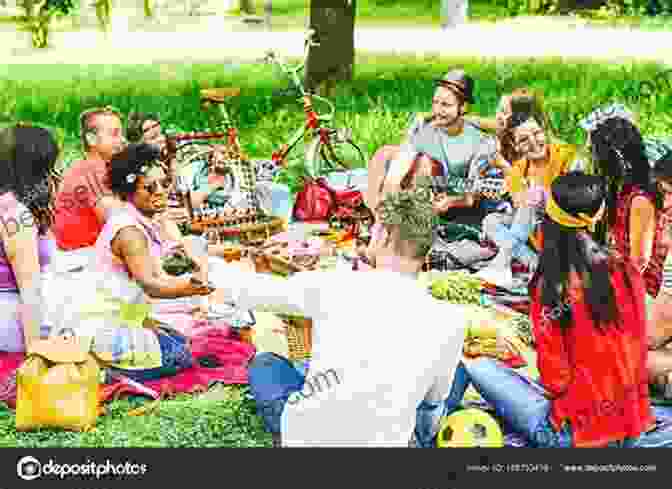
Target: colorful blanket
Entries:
(220, 357)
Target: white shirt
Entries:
(380, 345)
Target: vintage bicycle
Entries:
(329, 149)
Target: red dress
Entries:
(653, 275)
(598, 381)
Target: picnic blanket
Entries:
(515, 299)
(226, 359)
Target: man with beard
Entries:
(441, 144)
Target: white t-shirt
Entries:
(381, 345)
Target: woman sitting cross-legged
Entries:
(589, 326)
(126, 268)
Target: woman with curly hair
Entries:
(634, 203)
(127, 268)
(27, 183)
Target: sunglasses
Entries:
(156, 187)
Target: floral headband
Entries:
(132, 177)
(600, 115)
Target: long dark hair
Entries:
(619, 155)
(569, 250)
(28, 157)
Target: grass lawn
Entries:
(376, 105)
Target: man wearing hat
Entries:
(441, 144)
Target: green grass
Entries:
(182, 422)
(376, 106)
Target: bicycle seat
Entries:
(219, 95)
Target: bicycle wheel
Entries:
(339, 153)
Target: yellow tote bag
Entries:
(57, 386)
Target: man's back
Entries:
(380, 344)
(76, 224)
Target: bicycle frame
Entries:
(314, 121)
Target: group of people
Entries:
(597, 342)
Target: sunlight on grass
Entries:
(376, 106)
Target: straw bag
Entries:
(57, 386)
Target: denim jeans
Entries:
(522, 405)
(273, 379)
(175, 357)
(511, 230)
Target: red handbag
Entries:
(315, 201)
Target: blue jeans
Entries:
(522, 405)
(512, 231)
(175, 357)
(273, 379)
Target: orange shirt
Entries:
(598, 381)
(75, 222)
(561, 157)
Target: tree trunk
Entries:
(268, 10)
(247, 7)
(333, 60)
(454, 12)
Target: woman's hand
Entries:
(196, 287)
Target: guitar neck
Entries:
(482, 186)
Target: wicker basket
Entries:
(299, 338)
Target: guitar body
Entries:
(489, 188)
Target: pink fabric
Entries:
(232, 354)
(212, 340)
(9, 362)
(129, 217)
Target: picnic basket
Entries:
(270, 259)
(299, 337)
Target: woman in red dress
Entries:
(590, 332)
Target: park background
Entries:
(376, 103)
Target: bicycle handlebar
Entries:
(273, 57)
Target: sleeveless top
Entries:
(14, 214)
(620, 238)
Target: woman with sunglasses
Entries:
(27, 159)
(127, 267)
(589, 329)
